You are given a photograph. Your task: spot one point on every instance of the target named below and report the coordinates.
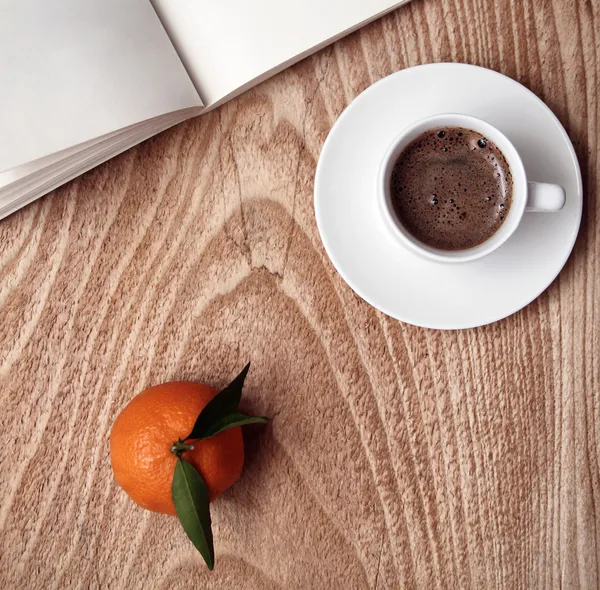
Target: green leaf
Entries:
(230, 421)
(224, 403)
(190, 496)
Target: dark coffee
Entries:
(451, 188)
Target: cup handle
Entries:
(544, 197)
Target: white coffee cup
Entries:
(526, 195)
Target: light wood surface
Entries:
(397, 457)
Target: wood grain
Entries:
(397, 457)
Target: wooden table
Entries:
(397, 457)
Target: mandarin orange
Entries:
(144, 432)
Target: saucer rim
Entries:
(364, 95)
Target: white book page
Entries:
(227, 45)
(46, 174)
(75, 70)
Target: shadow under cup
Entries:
(519, 188)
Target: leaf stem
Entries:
(180, 447)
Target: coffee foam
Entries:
(451, 188)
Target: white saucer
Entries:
(405, 285)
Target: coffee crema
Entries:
(451, 188)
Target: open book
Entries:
(83, 80)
